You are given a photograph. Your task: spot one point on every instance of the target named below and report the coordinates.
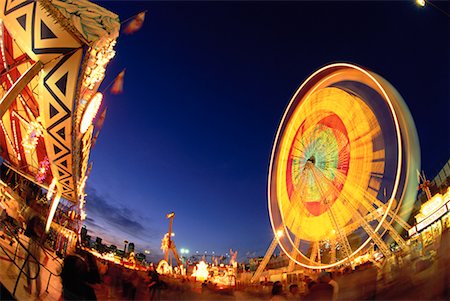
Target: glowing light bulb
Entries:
(421, 2)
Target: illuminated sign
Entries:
(431, 205)
(429, 220)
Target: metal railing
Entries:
(29, 256)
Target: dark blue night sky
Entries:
(205, 87)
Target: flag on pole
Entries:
(117, 86)
(94, 139)
(99, 125)
(101, 119)
(135, 24)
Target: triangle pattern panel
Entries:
(68, 183)
(49, 36)
(52, 111)
(13, 5)
(62, 163)
(46, 33)
(61, 132)
(56, 149)
(62, 175)
(67, 192)
(60, 82)
(18, 17)
(22, 21)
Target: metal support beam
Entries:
(265, 260)
(294, 253)
(11, 95)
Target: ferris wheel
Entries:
(342, 171)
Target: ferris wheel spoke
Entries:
(378, 214)
(333, 217)
(295, 199)
(302, 144)
(367, 227)
(339, 176)
(361, 221)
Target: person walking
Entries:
(154, 284)
(35, 232)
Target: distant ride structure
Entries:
(343, 168)
(167, 243)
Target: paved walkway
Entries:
(9, 272)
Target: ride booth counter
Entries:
(432, 221)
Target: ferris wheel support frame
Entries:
(265, 260)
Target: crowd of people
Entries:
(86, 277)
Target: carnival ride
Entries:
(167, 243)
(53, 60)
(342, 170)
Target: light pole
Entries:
(184, 259)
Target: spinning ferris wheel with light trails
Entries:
(342, 170)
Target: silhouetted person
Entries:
(154, 284)
(74, 279)
(321, 290)
(294, 292)
(204, 287)
(277, 292)
(35, 232)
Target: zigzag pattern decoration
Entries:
(42, 38)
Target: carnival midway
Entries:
(353, 216)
